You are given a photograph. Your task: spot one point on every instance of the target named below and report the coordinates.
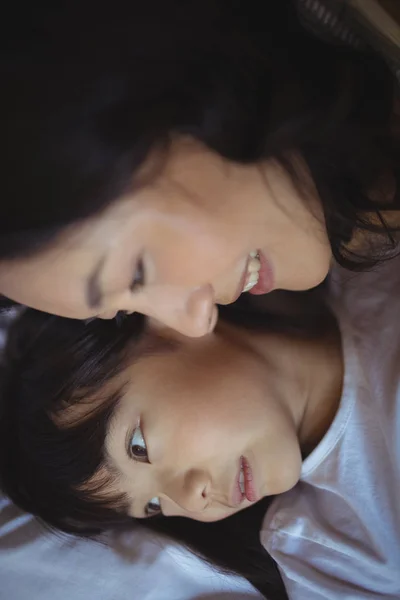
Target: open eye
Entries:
(153, 507)
(137, 447)
(139, 276)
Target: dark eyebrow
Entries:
(94, 294)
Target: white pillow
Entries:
(38, 565)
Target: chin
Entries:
(311, 278)
(285, 481)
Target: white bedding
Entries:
(38, 565)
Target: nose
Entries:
(192, 492)
(191, 312)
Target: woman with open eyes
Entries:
(272, 452)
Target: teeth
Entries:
(252, 271)
(241, 481)
(252, 280)
(254, 265)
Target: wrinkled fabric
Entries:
(337, 533)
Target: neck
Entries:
(323, 390)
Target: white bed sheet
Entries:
(38, 565)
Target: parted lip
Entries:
(265, 283)
(250, 492)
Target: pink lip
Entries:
(265, 282)
(237, 496)
(249, 483)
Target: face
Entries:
(199, 234)
(206, 436)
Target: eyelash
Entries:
(153, 507)
(137, 439)
(139, 277)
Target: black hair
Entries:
(90, 88)
(55, 467)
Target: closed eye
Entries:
(138, 280)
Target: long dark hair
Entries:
(57, 470)
(89, 88)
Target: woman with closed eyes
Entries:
(166, 158)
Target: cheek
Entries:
(213, 424)
(189, 254)
(196, 437)
(190, 434)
